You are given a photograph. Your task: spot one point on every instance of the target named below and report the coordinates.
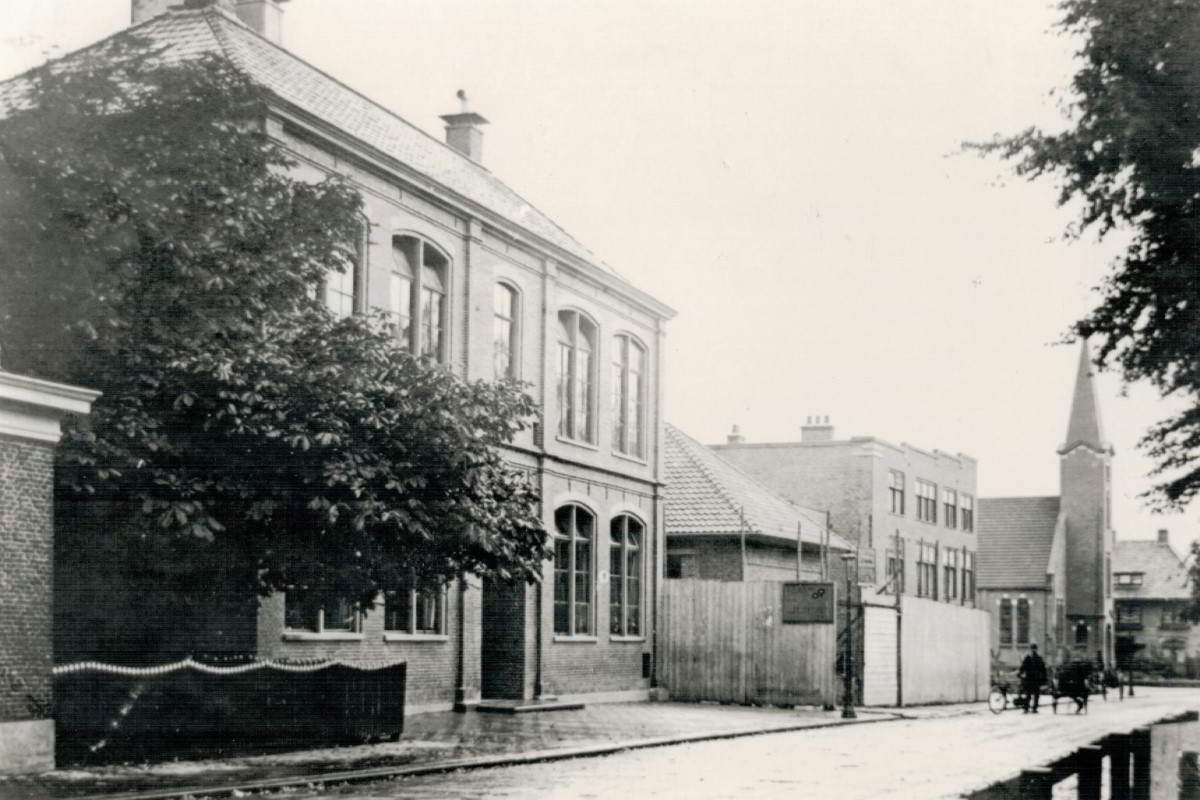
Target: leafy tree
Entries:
(1130, 158)
(155, 246)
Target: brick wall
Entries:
(26, 573)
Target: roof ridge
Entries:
(469, 162)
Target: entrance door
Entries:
(502, 641)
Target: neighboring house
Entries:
(1151, 589)
(1045, 562)
(721, 524)
(477, 278)
(903, 508)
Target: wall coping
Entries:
(31, 408)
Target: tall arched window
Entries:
(629, 396)
(574, 534)
(417, 291)
(625, 576)
(576, 344)
(505, 331)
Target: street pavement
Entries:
(932, 755)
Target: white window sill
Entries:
(577, 443)
(633, 458)
(627, 638)
(323, 636)
(397, 636)
(567, 639)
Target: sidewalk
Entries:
(442, 741)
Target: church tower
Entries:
(1085, 480)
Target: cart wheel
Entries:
(997, 701)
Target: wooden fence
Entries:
(944, 658)
(724, 641)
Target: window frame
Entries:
(896, 490)
(967, 511)
(513, 321)
(569, 391)
(621, 550)
(421, 256)
(1022, 621)
(318, 629)
(950, 507)
(629, 440)
(358, 272)
(572, 574)
(950, 569)
(1006, 622)
(416, 588)
(927, 501)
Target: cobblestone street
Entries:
(929, 757)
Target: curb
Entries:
(482, 762)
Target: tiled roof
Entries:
(1015, 538)
(190, 33)
(1164, 576)
(706, 495)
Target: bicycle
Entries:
(999, 698)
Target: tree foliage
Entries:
(155, 246)
(1130, 158)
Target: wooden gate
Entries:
(724, 641)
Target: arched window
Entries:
(625, 576)
(505, 331)
(629, 396)
(576, 344)
(417, 291)
(343, 290)
(574, 534)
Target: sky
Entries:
(788, 176)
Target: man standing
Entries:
(1032, 675)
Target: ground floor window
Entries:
(681, 565)
(574, 534)
(625, 576)
(951, 581)
(1006, 621)
(1081, 634)
(305, 610)
(1022, 621)
(415, 606)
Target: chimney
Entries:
(1162, 536)
(462, 130)
(735, 436)
(264, 17)
(142, 10)
(816, 429)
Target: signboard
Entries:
(812, 601)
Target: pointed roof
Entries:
(189, 33)
(1164, 574)
(1083, 426)
(1016, 536)
(706, 495)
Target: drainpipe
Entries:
(539, 687)
(660, 527)
(460, 692)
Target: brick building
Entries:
(901, 507)
(30, 414)
(1045, 562)
(721, 524)
(1151, 589)
(477, 278)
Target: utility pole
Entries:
(848, 661)
(898, 577)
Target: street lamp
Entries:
(848, 661)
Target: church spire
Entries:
(1083, 426)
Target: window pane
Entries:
(431, 322)
(502, 347)
(583, 395)
(618, 406)
(566, 396)
(562, 584)
(1005, 622)
(615, 582)
(583, 582)
(429, 610)
(397, 610)
(400, 308)
(339, 615)
(1022, 622)
(300, 611)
